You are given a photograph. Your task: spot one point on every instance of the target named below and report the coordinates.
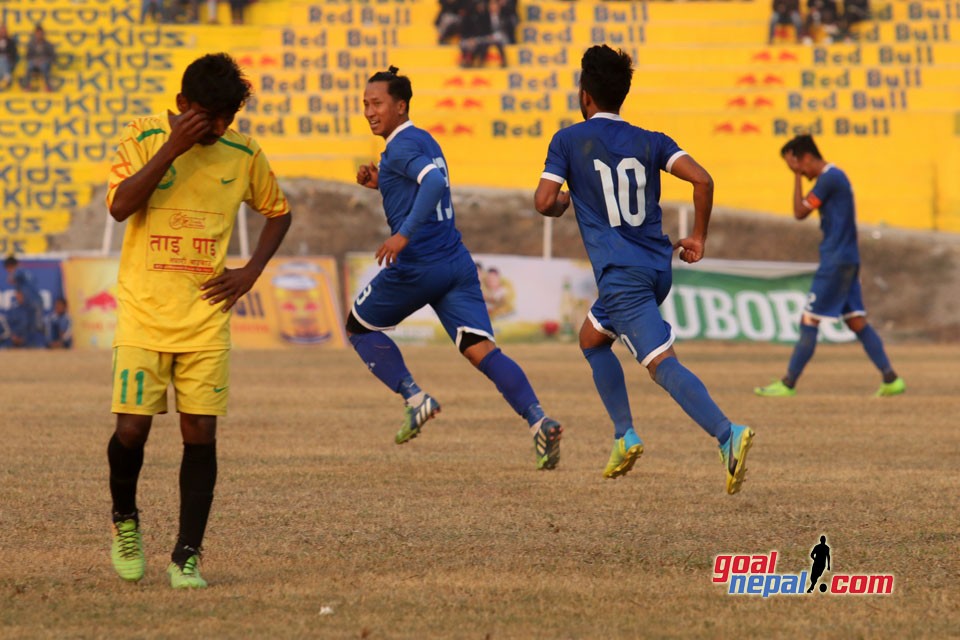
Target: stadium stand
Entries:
(885, 106)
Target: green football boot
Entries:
(625, 452)
(126, 552)
(188, 576)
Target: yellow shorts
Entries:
(141, 377)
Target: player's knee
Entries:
(353, 325)
(590, 338)
(132, 431)
(197, 429)
(468, 340)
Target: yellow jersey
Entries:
(179, 240)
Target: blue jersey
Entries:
(23, 282)
(409, 155)
(613, 172)
(833, 195)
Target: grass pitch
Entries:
(322, 527)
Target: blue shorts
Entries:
(451, 288)
(836, 292)
(629, 309)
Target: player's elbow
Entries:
(545, 203)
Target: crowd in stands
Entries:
(24, 325)
(188, 11)
(40, 55)
(823, 20)
(478, 26)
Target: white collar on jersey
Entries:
(606, 115)
(827, 167)
(405, 125)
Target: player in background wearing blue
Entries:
(22, 280)
(613, 172)
(427, 264)
(835, 291)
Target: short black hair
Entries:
(398, 86)
(606, 74)
(800, 145)
(11, 261)
(216, 83)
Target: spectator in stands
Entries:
(237, 9)
(154, 8)
(212, 12)
(785, 12)
(449, 20)
(477, 35)
(854, 11)
(59, 326)
(23, 328)
(40, 56)
(22, 281)
(509, 19)
(821, 21)
(9, 55)
(5, 332)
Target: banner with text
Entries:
(531, 299)
(293, 304)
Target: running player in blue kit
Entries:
(613, 172)
(835, 291)
(427, 264)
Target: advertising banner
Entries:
(531, 299)
(293, 304)
(91, 288)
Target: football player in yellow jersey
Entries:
(178, 180)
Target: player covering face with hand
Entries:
(427, 264)
(835, 291)
(178, 180)
(613, 170)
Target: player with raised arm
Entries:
(426, 263)
(613, 172)
(835, 291)
(178, 180)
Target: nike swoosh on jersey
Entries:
(225, 181)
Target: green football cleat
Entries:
(894, 388)
(415, 417)
(775, 390)
(126, 552)
(733, 454)
(546, 444)
(625, 452)
(188, 576)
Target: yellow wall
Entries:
(886, 109)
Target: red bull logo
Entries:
(102, 301)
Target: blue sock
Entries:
(512, 383)
(873, 345)
(608, 377)
(693, 398)
(383, 358)
(802, 352)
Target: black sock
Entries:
(198, 475)
(125, 467)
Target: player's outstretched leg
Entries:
(892, 384)
(415, 416)
(126, 549)
(802, 352)
(384, 360)
(512, 383)
(692, 396)
(626, 450)
(733, 454)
